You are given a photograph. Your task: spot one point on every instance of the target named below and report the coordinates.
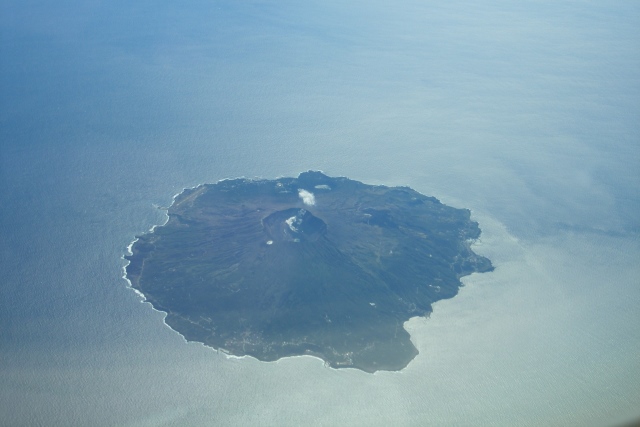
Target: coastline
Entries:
(469, 244)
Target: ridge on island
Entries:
(313, 265)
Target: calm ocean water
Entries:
(526, 114)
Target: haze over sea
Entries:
(524, 112)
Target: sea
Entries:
(524, 112)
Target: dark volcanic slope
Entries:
(246, 267)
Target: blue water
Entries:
(525, 113)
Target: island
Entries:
(313, 265)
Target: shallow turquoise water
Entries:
(524, 114)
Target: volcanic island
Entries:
(314, 265)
